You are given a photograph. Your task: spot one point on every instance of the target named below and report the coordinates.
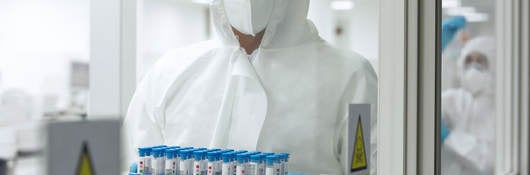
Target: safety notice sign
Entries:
(83, 147)
(359, 139)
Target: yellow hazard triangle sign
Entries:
(359, 151)
(84, 165)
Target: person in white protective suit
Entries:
(468, 113)
(290, 93)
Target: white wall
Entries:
(169, 24)
(323, 18)
(360, 26)
(365, 29)
(38, 39)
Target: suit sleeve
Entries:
(141, 126)
(362, 89)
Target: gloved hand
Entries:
(133, 169)
(450, 28)
(445, 132)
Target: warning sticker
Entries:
(358, 139)
(359, 153)
(84, 166)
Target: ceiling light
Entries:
(201, 1)
(459, 11)
(342, 5)
(450, 3)
(476, 17)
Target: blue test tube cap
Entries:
(177, 152)
(159, 152)
(142, 152)
(212, 156)
(242, 157)
(170, 153)
(268, 153)
(199, 154)
(254, 152)
(213, 150)
(159, 146)
(227, 150)
(270, 160)
(227, 157)
(173, 147)
(256, 158)
(240, 151)
(262, 157)
(285, 156)
(185, 154)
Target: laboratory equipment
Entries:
(144, 162)
(199, 167)
(273, 167)
(242, 163)
(284, 163)
(172, 161)
(159, 161)
(228, 163)
(185, 162)
(214, 163)
(254, 167)
(175, 160)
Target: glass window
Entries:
(468, 87)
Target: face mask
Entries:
(476, 66)
(476, 80)
(248, 16)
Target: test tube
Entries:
(159, 162)
(143, 159)
(171, 162)
(227, 165)
(198, 162)
(185, 161)
(242, 163)
(254, 166)
(284, 163)
(272, 165)
(262, 164)
(213, 163)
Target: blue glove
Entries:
(449, 29)
(445, 132)
(133, 169)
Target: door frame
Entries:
(512, 87)
(409, 87)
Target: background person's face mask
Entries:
(476, 79)
(249, 16)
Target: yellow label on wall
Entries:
(84, 167)
(359, 152)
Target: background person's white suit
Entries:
(469, 114)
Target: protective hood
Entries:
(287, 26)
(482, 45)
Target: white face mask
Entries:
(249, 16)
(476, 81)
